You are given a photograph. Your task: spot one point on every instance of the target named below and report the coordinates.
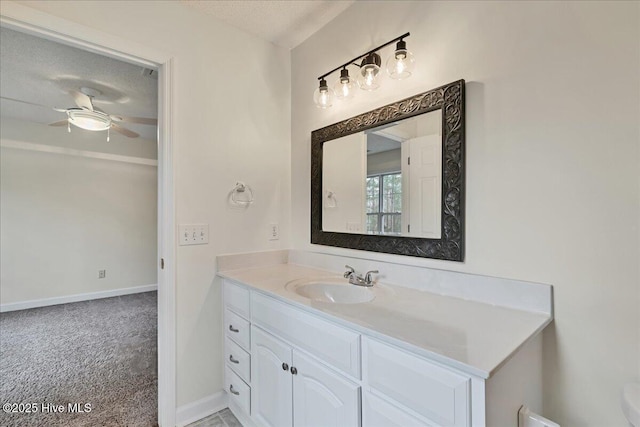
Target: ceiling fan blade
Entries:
(124, 131)
(60, 123)
(25, 102)
(82, 100)
(139, 120)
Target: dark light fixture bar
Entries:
(353, 61)
(399, 66)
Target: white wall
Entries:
(552, 163)
(384, 162)
(344, 168)
(232, 122)
(64, 217)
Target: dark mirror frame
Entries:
(448, 98)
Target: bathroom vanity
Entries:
(305, 348)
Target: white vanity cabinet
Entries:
(427, 393)
(237, 344)
(288, 366)
(292, 389)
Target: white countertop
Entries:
(474, 337)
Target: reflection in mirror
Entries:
(386, 180)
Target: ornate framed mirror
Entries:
(392, 180)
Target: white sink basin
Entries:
(332, 290)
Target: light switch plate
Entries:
(193, 234)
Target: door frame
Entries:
(35, 22)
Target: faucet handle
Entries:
(349, 272)
(367, 277)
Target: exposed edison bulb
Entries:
(323, 95)
(400, 64)
(369, 72)
(344, 87)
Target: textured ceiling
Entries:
(286, 23)
(43, 72)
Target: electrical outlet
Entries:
(194, 234)
(274, 232)
(102, 274)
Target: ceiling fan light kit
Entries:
(399, 66)
(89, 120)
(86, 116)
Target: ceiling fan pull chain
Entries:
(69, 127)
(108, 130)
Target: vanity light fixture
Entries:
(399, 66)
(369, 70)
(344, 87)
(323, 95)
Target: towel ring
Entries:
(242, 189)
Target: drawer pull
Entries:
(294, 370)
(232, 329)
(285, 366)
(233, 360)
(237, 393)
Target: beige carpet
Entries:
(100, 352)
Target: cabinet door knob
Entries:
(233, 391)
(294, 370)
(232, 329)
(232, 359)
(285, 366)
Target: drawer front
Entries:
(236, 298)
(440, 395)
(238, 329)
(237, 359)
(378, 412)
(239, 392)
(334, 344)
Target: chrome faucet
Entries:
(358, 280)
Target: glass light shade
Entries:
(369, 72)
(368, 77)
(345, 86)
(400, 64)
(89, 120)
(323, 95)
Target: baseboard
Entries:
(23, 305)
(242, 416)
(194, 411)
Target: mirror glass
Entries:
(386, 180)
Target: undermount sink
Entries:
(332, 290)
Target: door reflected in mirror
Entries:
(386, 180)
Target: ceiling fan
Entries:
(88, 117)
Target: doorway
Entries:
(28, 21)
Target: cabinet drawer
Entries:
(438, 394)
(237, 328)
(239, 392)
(378, 412)
(236, 298)
(238, 360)
(334, 344)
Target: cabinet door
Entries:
(271, 385)
(378, 412)
(321, 397)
